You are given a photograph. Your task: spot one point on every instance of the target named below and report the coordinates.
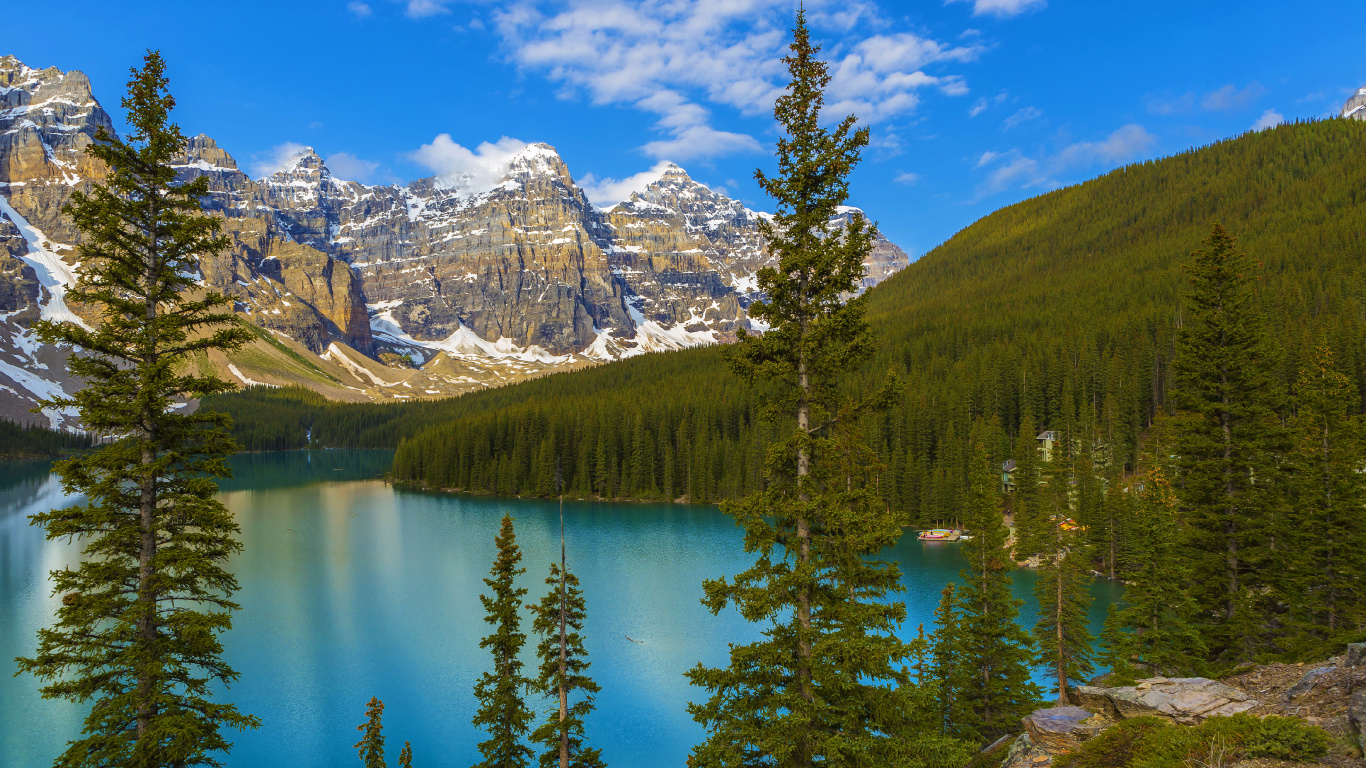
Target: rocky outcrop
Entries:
(1355, 107)
(19, 288)
(1356, 716)
(1062, 729)
(1355, 656)
(1185, 700)
(492, 279)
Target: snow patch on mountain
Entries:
(54, 274)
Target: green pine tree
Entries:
(1159, 612)
(138, 628)
(405, 756)
(996, 652)
(1327, 587)
(563, 673)
(371, 744)
(808, 693)
(947, 667)
(1227, 476)
(502, 711)
(1061, 634)
(1026, 500)
(1112, 652)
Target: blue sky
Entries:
(973, 104)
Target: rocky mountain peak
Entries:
(1355, 107)
(538, 161)
(203, 152)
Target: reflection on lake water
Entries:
(352, 588)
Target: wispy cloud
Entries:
(606, 192)
(1268, 119)
(906, 178)
(1001, 9)
(1013, 168)
(1230, 97)
(984, 103)
(421, 9)
(277, 158)
(345, 165)
(672, 58)
(1022, 116)
(468, 170)
(358, 9)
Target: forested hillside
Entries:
(33, 441)
(1063, 307)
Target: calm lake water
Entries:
(352, 589)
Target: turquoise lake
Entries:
(352, 588)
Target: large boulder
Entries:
(1062, 729)
(1307, 682)
(1356, 655)
(1185, 700)
(1356, 717)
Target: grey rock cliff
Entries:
(522, 270)
(1355, 107)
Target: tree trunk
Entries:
(564, 650)
(147, 546)
(804, 662)
(1062, 664)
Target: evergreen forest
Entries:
(1063, 309)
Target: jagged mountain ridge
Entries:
(393, 291)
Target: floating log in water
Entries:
(632, 639)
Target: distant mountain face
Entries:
(1356, 106)
(389, 292)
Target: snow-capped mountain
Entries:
(1356, 105)
(381, 292)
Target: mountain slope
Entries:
(1064, 306)
(434, 288)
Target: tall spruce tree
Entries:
(1061, 634)
(502, 709)
(808, 693)
(995, 651)
(137, 630)
(1326, 587)
(947, 664)
(1159, 613)
(563, 673)
(1026, 500)
(1227, 476)
(371, 744)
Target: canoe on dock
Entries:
(940, 534)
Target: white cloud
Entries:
(605, 193)
(1125, 144)
(469, 171)
(881, 77)
(1016, 169)
(1231, 98)
(1179, 105)
(906, 177)
(419, 9)
(690, 134)
(670, 57)
(359, 9)
(1022, 116)
(1001, 9)
(1269, 118)
(278, 158)
(345, 165)
(985, 103)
